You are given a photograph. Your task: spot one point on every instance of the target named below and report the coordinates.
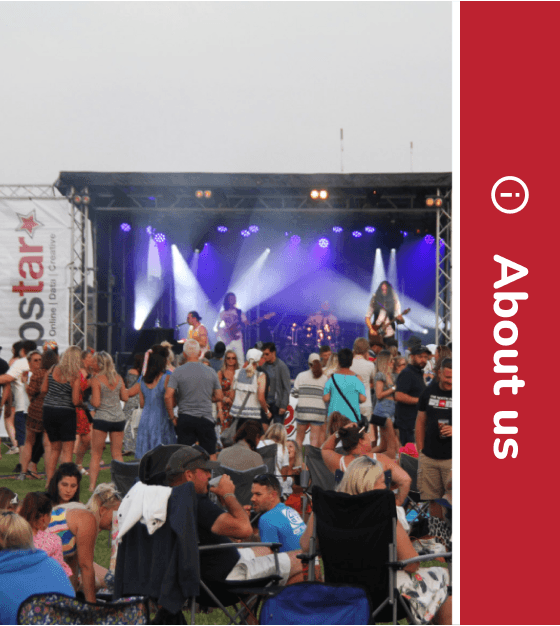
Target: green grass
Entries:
(23, 487)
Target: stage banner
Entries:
(35, 252)
(509, 225)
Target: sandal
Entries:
(32, 475)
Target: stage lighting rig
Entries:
(319, 194)
(434, 201)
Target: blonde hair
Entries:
(361, 346)
(105, 495)
(278, 433)
(298, 458)
(106, 367)
(394, 351)
(224, 364)
(15, 532)
(71, 363)
(170, 354)
(383, 362)
(361, 476)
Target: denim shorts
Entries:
(385, 408)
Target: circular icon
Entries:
(513, 194)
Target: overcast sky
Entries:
(223, 87)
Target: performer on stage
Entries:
(326, 324)
(230, 332)
(198, 331)
(384, 309)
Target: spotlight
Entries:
(436, 201)
(295, 238)
(159, 238)
(149, 230)
(254, 228)
(208, 193)
(125, 227)
(245, 233)
(429, 239)
(323, 194)
(356, 234)
(324, 242)
(404, 233)
(267, 250)
(337, 229)
(314, 194)
(86, 200)
(370, 229)
(222, 229)
(197, 251)
(77, 199)
(199, 193)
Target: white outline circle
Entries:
(525, 189)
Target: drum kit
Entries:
(302, 339)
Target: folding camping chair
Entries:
(357, 538)
(57, 608)
(165, 565)
(124, 475)
(320, 474)
(242, 480)
(414, 501)
(268, 455)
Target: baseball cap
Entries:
(254, 354)
(188, 458)
(419, 350)
(313, 357)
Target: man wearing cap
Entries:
(410, 385)
(217, 360)
(278, 522)
(194, 386)
(433, 436)
(217, 526)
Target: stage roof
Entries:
(387, 193)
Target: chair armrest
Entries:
(418, 559)
(251, 544)
(306, 558)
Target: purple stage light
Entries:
(245, 233)
(125, 227)
(149, 230)
(429, 239)
(159, 238)
(222, 229)
(295, 238)
(404, 233)
(324, 242)
(254, 228)
(356, 234)
(370, 229)
(337, 229)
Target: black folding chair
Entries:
(124, 475)
(357, 538)
(414, 500)
(242, 480)
(153, 464)
(57, 608)
(268, 455)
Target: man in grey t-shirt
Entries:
(194, 386)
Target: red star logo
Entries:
(28, 222)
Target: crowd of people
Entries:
(369, 400)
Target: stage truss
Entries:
(399, 194)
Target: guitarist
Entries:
(383, 311)
(231, 330)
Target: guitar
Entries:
(228, 333)
(379, 329)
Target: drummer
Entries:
(324, 320)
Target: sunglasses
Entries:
(267, 479)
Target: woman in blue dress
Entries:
(155, 427)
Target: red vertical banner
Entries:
(509, 250)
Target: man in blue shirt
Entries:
(278, 522)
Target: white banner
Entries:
(35, 252)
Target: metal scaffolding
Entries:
(443, 273)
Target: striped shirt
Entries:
(59, 394)
(309, 391)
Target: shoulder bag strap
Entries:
(345, 399)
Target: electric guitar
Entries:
(228, 334)
(378, 330)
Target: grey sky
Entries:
(223, 87)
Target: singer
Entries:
(198, 332)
